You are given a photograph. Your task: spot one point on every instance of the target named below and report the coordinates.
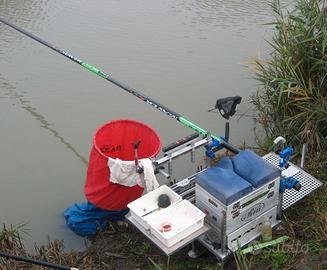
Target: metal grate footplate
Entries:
(308, 182)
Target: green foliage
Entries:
(10, 238)
(155, 265)
(292, 99)
(292, 102)
(145, 247)
(277, 260)
(241, 260)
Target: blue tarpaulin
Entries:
(85, 219)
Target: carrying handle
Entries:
(136, 145)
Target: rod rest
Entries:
(227, 106)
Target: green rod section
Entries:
(189, 124)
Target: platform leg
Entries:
(280, 206)
(194, 252)
(223, 232)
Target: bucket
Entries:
(114, 139)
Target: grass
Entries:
(117, 248)
(10, 238)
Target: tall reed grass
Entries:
(292, 98)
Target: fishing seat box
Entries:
(244, 187)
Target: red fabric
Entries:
(114, 140)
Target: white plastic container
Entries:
(184, 219)
(145, 207)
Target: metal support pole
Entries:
(194, 252)
(304, 150)
(280, 206)
(223, 232)
(192, 154)
(227, 128)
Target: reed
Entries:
(292, 102)
(292, 98)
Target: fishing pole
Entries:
(127, 88)
(37, 262)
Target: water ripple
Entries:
(234, 14)
(9, 91)
(32, 14)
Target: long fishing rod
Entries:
(36, 262)
(127, 88)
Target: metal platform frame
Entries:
(186, 188)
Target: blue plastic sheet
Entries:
(85, 219)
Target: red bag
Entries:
(115, 139)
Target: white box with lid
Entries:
(146, 206)
(184, 219)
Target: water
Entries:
(183, 53)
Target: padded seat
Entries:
(254, 168)
(223, 184)
(226, 163)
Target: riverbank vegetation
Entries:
(292, 99)
(291, 102)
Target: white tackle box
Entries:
(146, 206)
(184, 219)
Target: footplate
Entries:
(308, 182)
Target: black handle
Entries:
(180, 142)
(33, 261)
(136, 144)
(230, 147)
